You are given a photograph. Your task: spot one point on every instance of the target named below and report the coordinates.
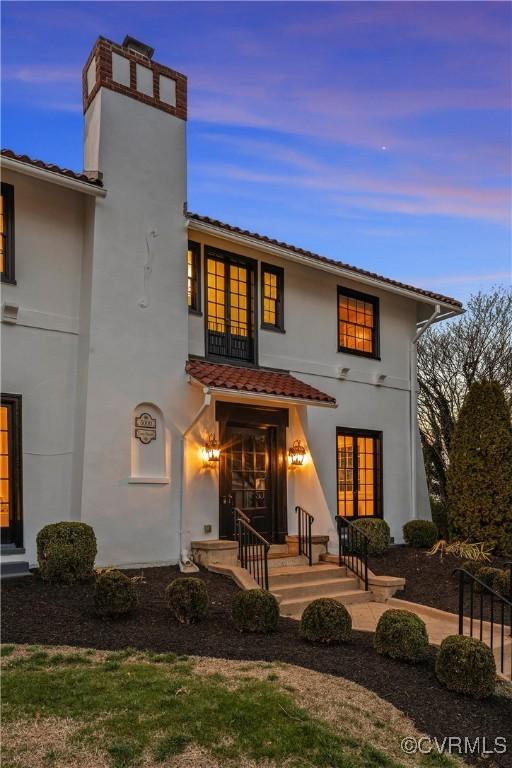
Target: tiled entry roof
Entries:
(315, 256)
(258, 381)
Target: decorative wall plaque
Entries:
(145, 428)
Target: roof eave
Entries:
(285, 253)
(237, 393)
(51, 176)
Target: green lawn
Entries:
(132, 707)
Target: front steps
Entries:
(295, 586)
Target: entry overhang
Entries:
(256, 384)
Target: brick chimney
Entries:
(130, 70)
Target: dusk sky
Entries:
(374, 133)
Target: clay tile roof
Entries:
(255, 380)
(94, 181)
(324, 259)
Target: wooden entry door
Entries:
(249, 478)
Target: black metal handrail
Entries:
(304, 525)
(252, 551)
(353, 548)
(495, 602)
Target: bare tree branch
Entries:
(473, 347)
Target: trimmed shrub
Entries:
(401, 635)
(326, 621)
(439, 513)
(255, 610)
(66, 552)
(501, 583)
(479, 479)
(487, 575)
(115, 594)
(420, 534)
(188, 600)
(377, 531)
(466, 665)
(473, 567)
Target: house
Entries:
(161, 368)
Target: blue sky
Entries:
(375, 133)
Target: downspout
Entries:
(185, 562)
(413, 405)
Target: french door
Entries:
(230, 312)
(359, 473)
(10, 471)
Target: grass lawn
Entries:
(83, 708)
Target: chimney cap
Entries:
(137, 47)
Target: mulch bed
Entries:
(38, 613)
(430, 580)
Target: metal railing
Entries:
(493, 609)
(353, 549)
(252, 549)
(304, 524)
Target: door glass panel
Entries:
(4, 468)
(345, 475)
(366, 476)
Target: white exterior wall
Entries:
(308, 349)
(138, 325)
(39, 352)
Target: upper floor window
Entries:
(230, 306)
(358, 323)
(7, 233)
(272, 294)
(194, 277)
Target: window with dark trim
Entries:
(10, 471)
(358, 323)
(359, 472)
(7, 233)
(272, 297)
(194, 277)
(230, 306)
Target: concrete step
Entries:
(295, 607)
(286, 562)
(278, 550)
(314, 589)
(9, 570)
(303, 574)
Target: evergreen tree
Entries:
(480, 470)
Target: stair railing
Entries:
(252, 550)
(500, 610)
(353, 548)
(304, 525)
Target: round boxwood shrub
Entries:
(501, 583)
(66, 552)
(420, 534)
(378, 534)
(473, 567)
(466, 665)
(487, 575)
(188, 600)
(255, 610)
(115, 594)
(401, 635)
(326, 621)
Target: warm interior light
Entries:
(297, 454)
(211, 450)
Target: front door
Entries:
(248, 478)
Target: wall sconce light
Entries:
(211, 451)
(297, 454)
